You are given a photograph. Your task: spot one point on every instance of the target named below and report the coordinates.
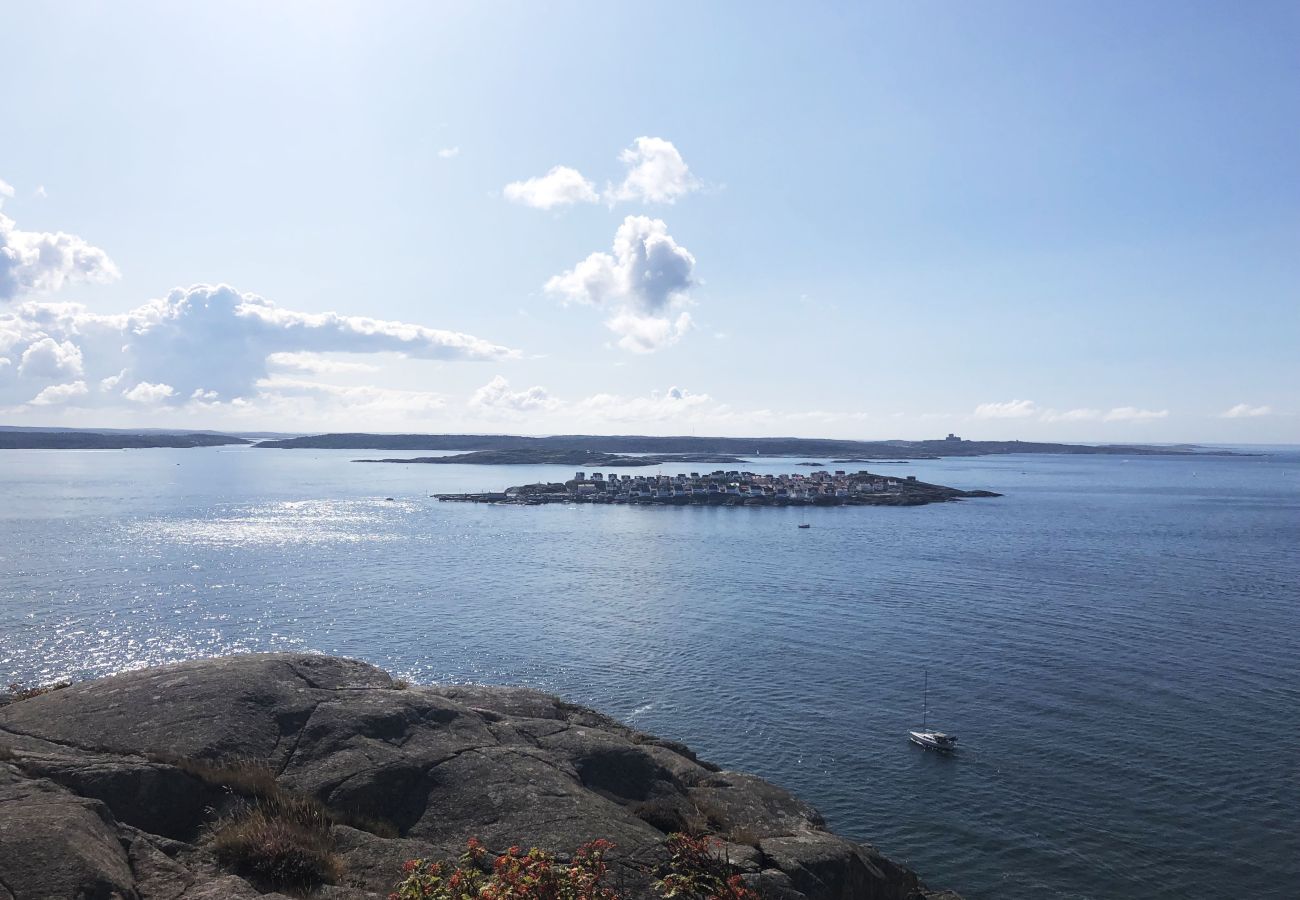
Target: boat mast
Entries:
(925, 701)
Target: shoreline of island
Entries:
(727, 488)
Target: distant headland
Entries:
(542, 456)
(549, 449)
(748, 447)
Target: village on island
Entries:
(728, 488)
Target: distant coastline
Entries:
(564, 447)
(98, 440)
(544, 457)
(749, 448)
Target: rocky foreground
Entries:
(107, 791)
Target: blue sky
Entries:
(1074, 221)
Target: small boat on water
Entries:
(927, 738)
(805, 525)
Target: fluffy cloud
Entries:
(656, 173)
(1011, 409)
(6, 189)
(42, 261)
(316, 364)
(561, 186)
(1071, 415)
(361, 400)
(148, 393)
(674, 403)
(643, 282)
(496, 396)
(1246, 411)
(1133, 414)
(60, 393)
(1024, 409)
(48, 358)
(207, 343)
(448, 152)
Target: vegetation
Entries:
(280, 839)
(276, 836)
(17, 691)
(691, 871)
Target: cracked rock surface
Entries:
(89, 812)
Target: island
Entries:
(539, 456)
(728, 488)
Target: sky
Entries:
(1044, 221)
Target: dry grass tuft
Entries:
(283, 840)
(16, 691)
(6, 753)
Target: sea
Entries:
(1116, 640)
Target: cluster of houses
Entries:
(822, 487)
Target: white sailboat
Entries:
(927, 738)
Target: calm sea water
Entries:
(1117, 641)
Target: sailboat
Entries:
(931, 740)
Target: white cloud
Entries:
(1011, 409)
(364, 399)
(1133, 414)
(644, 282)
(216, 338)
(316, 364)
(6, 189)
(656, 173)
(674, 403)
(646, 334)
(1246, 411)
(449, 152)
(209, 339)
(496, 396)
(1071, 415)
(42, 261)
(59, 393)
(48, 358)
(561, 186)
(40, 191)
(147, 392)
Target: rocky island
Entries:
(730, 488)
(147, 786)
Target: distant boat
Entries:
(931, 740)
(805, 525)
